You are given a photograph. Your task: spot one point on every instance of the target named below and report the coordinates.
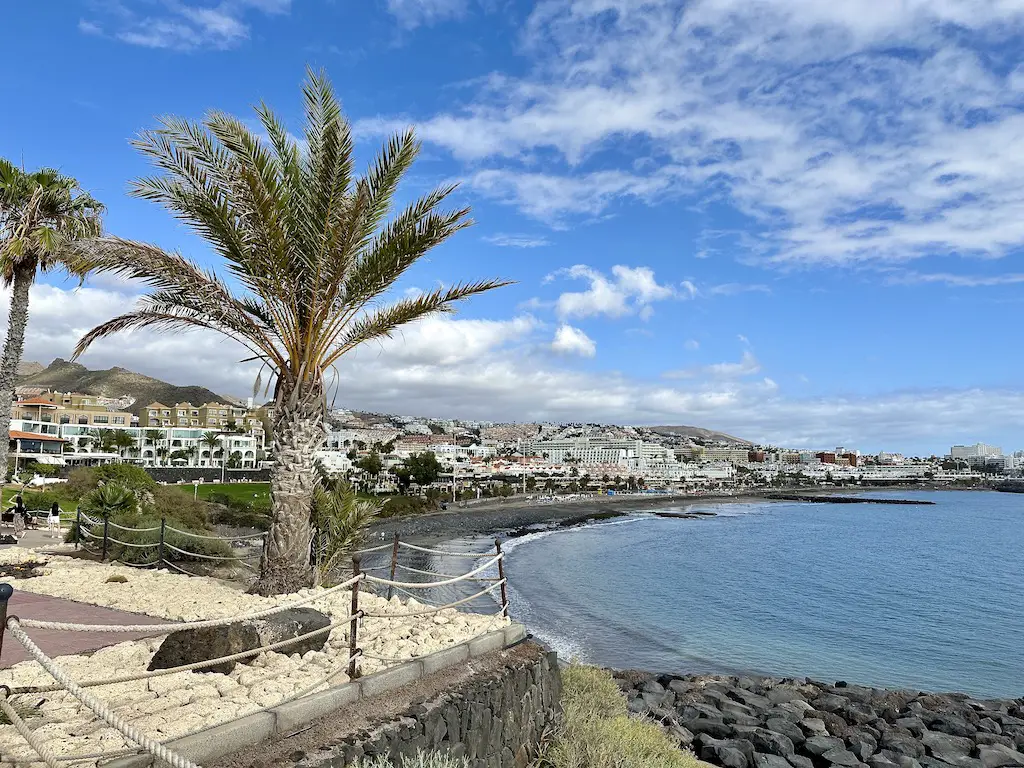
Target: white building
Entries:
(978, 450)
(629, 454)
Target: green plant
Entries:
(117, 579)
(82, 481)
(44, 470)
(402, 506)
(421, 760)
(41, 214)
(339, 519)
(312, 252)
(597, 732)
(110, 500)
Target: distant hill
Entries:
(28, 367)
(65, 376)
(701, 434)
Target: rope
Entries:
(189, 667)
(430, 584)
(429, 573)
(441, 552)
(196, 554)
(99, 708)
(112, 540)
(179, 627)
(373, 549)
(134, 530)
(41, 749)
(180, 570)
(436, 609)
(216, 538)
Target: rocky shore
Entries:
(752, 722)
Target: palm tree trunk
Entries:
(298, 432)
(17, 319)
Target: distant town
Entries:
(51, 430)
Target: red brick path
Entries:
(28, 605)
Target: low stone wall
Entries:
(207, 475)
(747, 722)
(494, 721)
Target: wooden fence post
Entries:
(6, 590)
(78, 525)
(394, 565)
(353, 627)
(163, 525)
(106, 527)
(501, 575)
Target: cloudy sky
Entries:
(799, 221)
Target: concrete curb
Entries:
(223, 739)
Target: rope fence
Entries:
(346, 661)
(99, 532)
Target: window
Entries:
(181, 413)
(65, 419)
(119, 419)
(165, 413)
(194, 422)
(100, 420)
(152, 414)
(223, 412)
(83, 419)
(195, 413)
(45, 417)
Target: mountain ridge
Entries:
(65, 376)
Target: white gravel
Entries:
(171, 706)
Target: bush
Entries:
(44, 470)
(597, 732)
(178, 505)
(144, 535)
(231, 511)
(422, 760)
(401, 506)
(86, 479)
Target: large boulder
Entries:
(948, 749)
(788, 729)
(816, 746)
(997, 756)
(192, 645)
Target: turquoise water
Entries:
(928, 597)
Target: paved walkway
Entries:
(28, 605)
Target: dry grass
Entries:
(598, 732)
(422, 760)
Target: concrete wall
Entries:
(495, 721)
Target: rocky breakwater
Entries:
(745, 722)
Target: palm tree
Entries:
(40, 214)
(212, 441)
(311, 252)
(122, 441)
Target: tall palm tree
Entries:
(310, 250)
(40, 214)
(212, 441)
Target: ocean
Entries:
(924, 597)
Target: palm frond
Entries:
(384, 322)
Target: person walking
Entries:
(53, 521)
(20, 516)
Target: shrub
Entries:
(117, 578)
(86, 479)
(401, 506)
(44, 470)
(178, 505)
(597, 732)
(422, 760)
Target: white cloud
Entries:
(489, 369)
(732, 289)
(957, 281)
(181, 26)
(413, 13)
(746, 366)
(572, 341)
(692, 344)
(516, 241)
(627, 291)
(849, 132)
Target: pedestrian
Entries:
(20, 516)
(53, 520)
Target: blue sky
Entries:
(798, 221)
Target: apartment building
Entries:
(211, 416)
(43, 430)
(626, 453)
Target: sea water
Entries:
(925, 597)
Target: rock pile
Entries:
(746, 722)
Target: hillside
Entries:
(65, 376)
(700, 434)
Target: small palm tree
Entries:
(122, 441)
(339, 519)
(153, 435)
(40, 214)
(311, 253)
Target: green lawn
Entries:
(239, 491)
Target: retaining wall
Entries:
(207, 474)
(494, 721)
(488, 699)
